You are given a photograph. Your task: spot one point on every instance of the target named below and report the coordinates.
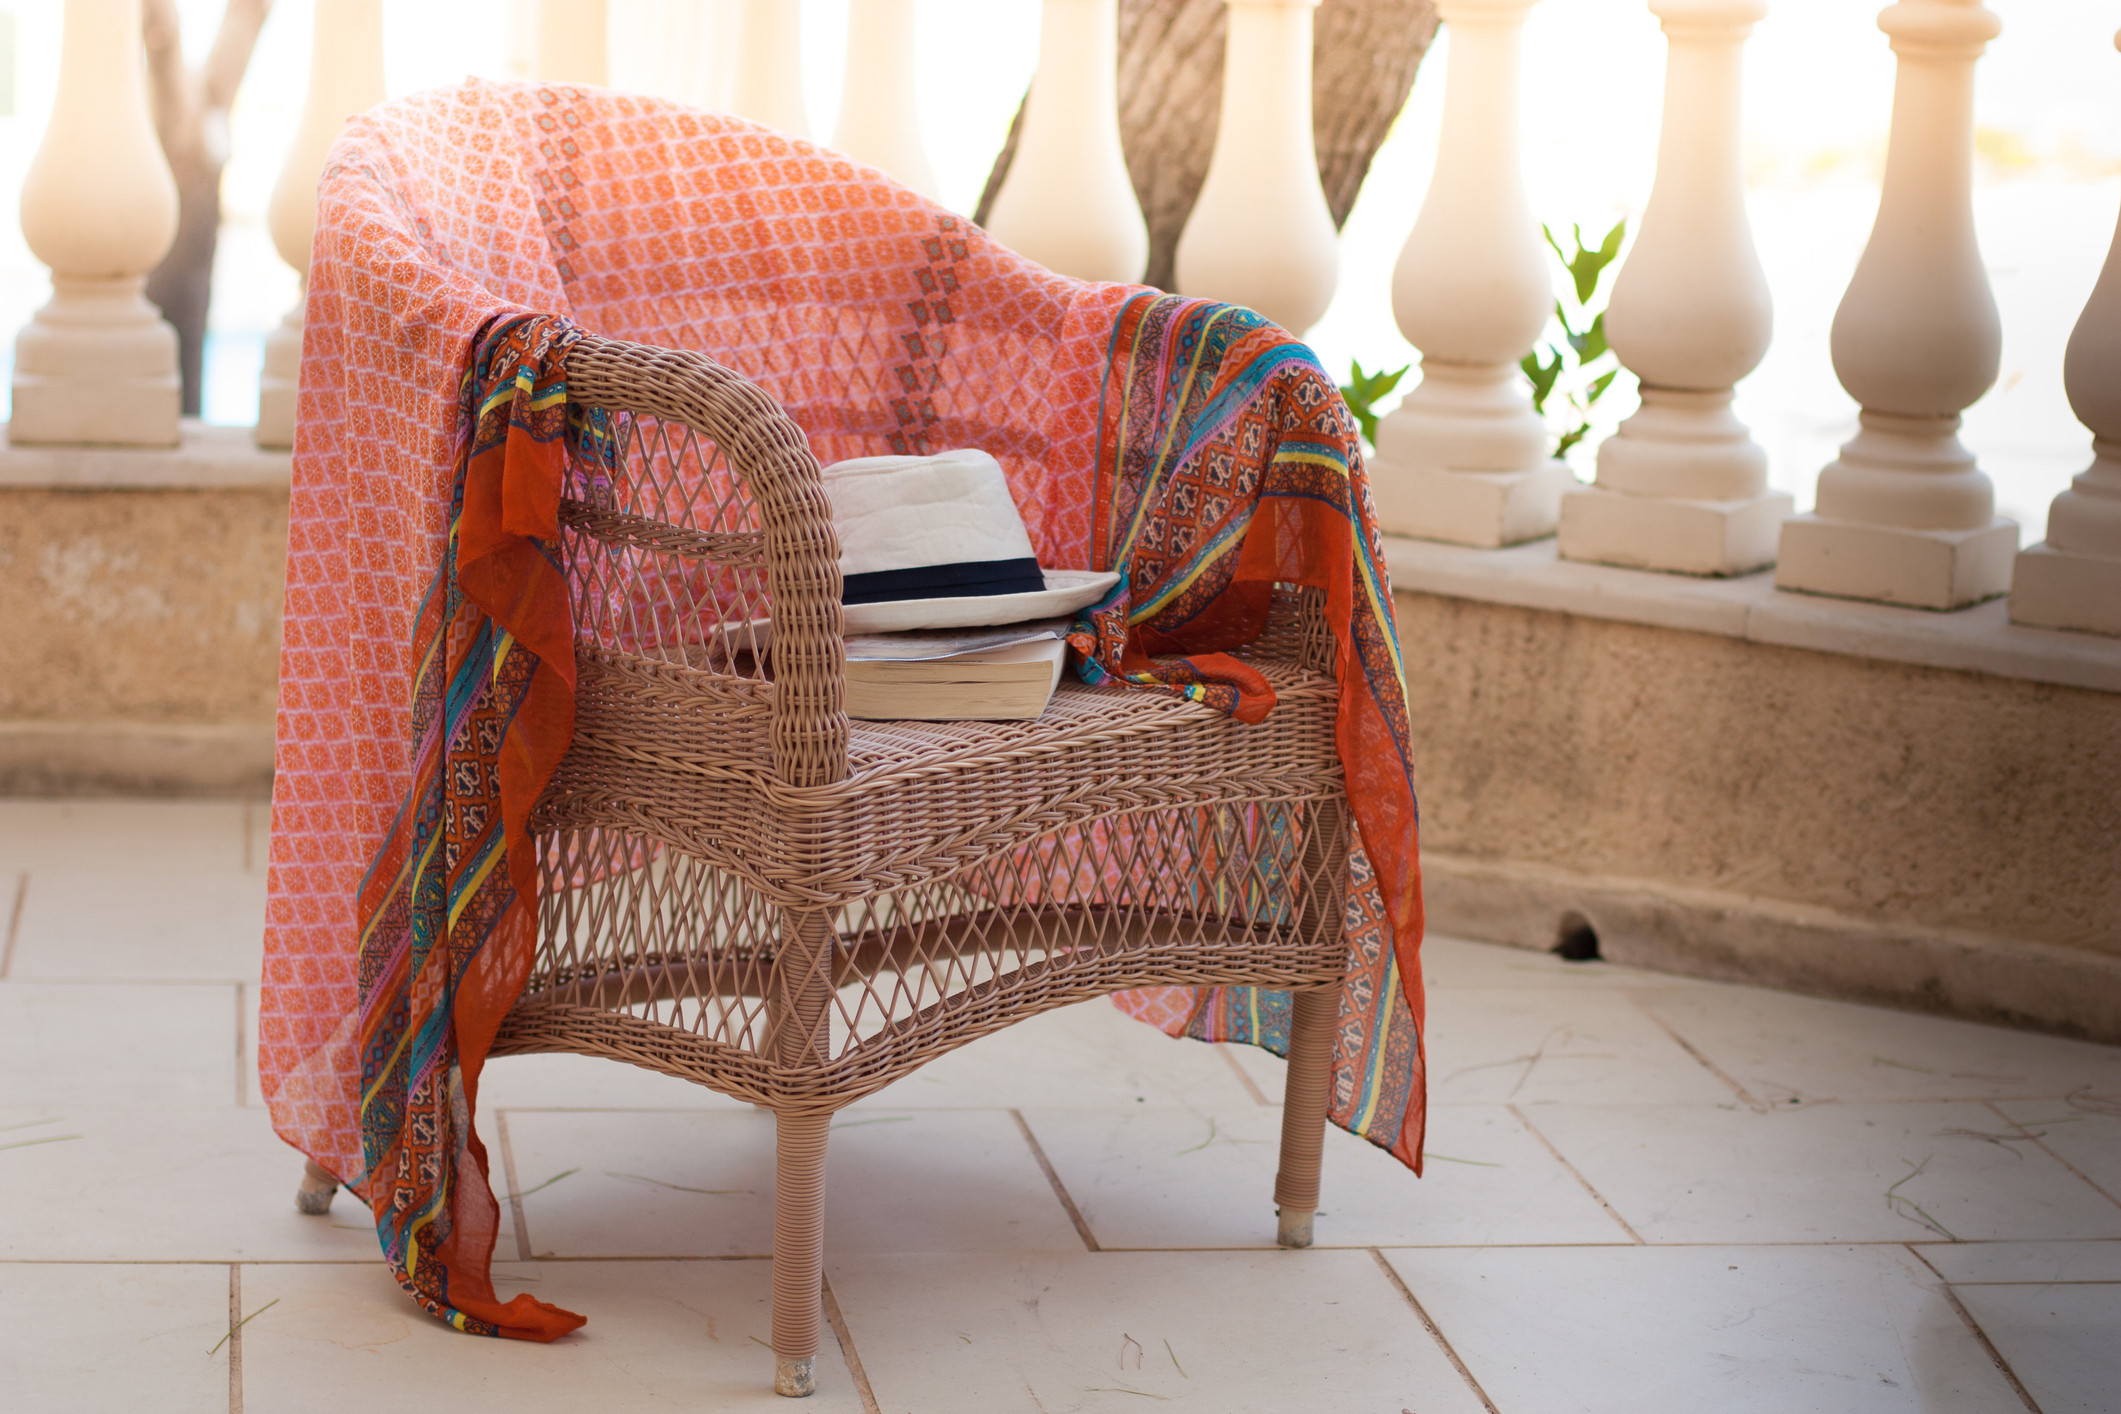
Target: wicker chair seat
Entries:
(661, 751)
(940, 931)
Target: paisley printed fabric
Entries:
(448, 911)
(1227, 463)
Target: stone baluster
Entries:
(1464, 457)
(573, 43)
(677, 49)
(880, 120)
(768, 84)
(1260, 233)
(345, 78)
(1903, 515)
(2073, 580)
(1068, 202)
(1682, 485)
(98, 364)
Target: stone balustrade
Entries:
(562, 41)
(98, 364)
(2073, 579)
(880, 121)
(345, 77)
(1260, 233)
(1464, 457)
(1682, 486)
(1554, 620)
(768, 85)
(1068, 202)
(1903, 516)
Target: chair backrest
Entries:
(880, 321)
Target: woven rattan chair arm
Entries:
(802, 554)
(735, 549)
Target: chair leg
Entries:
(1303, 1114)
(314, 1196)
(798, 1249)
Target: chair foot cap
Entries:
(1294, 1227)
(315, 1194)
(795, 1378)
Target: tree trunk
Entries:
(191, 118)
(1364, 57)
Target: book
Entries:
(999, 674)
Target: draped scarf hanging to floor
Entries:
(1227, 463)
(448, 910)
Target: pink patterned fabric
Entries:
(882, 322)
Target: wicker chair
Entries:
(744, 889)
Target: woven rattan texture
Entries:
(741, 888)
(745, 889)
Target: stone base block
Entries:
(204, 459)
(120, 412)
(97, 366)
(1683, 537)
(1793, 947)
(1484, 508)
(2061, 589)
(217, 759)
(140, 602)
(1923, 569)
(1821, 821)
(278, 382)
(276, 416)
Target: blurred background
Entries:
(1818, 96)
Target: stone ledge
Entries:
(1981, 639)
(206, 459)
(136, 759)
(1730, 937)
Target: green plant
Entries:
(1571, 368)
(1362, 391)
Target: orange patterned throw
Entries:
(463, 235)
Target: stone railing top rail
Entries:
(204, 458)
(1981, 639)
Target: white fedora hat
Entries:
(936, 542)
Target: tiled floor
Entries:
(1645, 1194)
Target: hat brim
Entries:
(1065, 592)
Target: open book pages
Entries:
(929, 645)
(753, 637)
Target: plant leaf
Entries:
(1542, 376)
(1590, 262)
(1559, 253)
(1361, 392)
(1561, 317)
(1610, 246)
(1592, 345)
(1598, 385)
